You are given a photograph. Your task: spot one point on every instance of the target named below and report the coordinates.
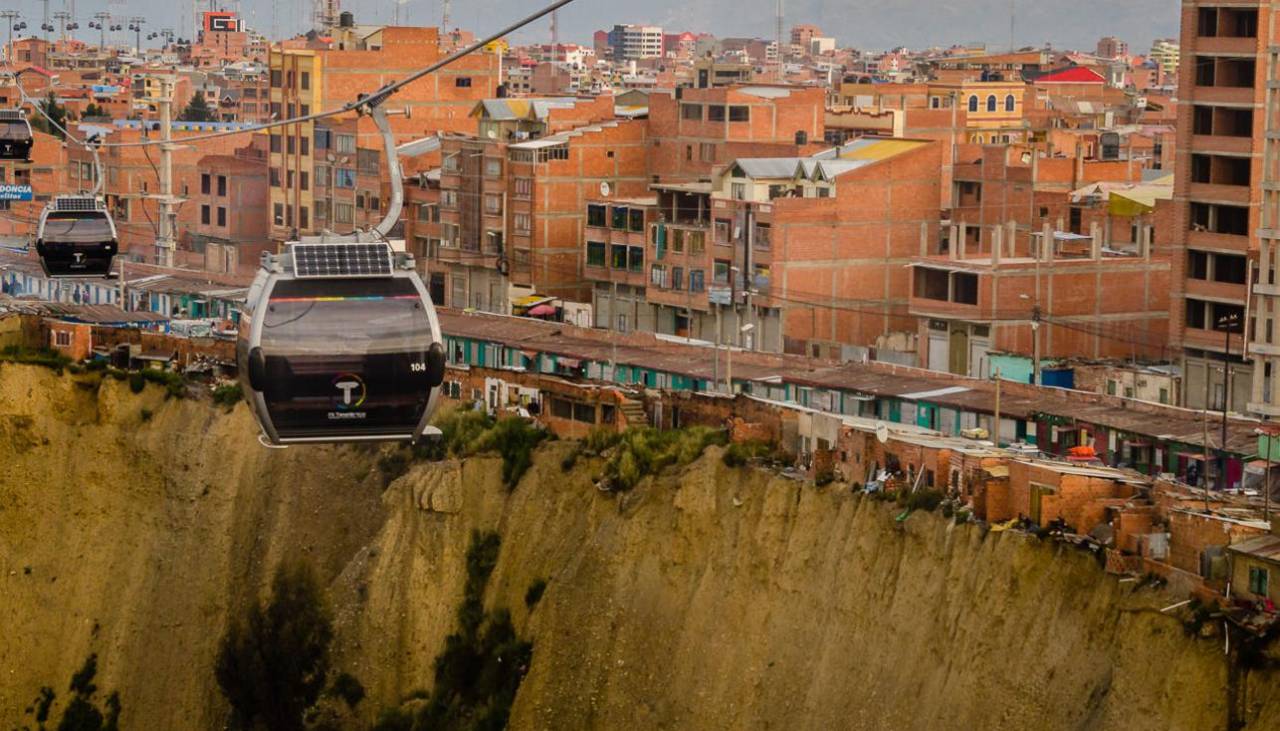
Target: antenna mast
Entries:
(778, 39)
(446, 6)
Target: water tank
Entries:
(346, 19)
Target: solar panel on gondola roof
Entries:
(76, 203)
(345, 260)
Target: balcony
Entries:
(1222, 143)
(1232, 46)
(1235, 194)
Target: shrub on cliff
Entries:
(81, 713)
(228, 395)
(515, 439)
(646, 451)
(32, 356)
(482, 665)
(272, 661)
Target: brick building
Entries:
(1218, 206)
(330, 174)
(232, 202)
(513, 197)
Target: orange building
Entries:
(360, 60)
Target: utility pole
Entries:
(165, 243)
(995, 427)
(62, 17)
(1227, 323)
(103, 20)
(782, 73)
(1204, 437)
(135, 25)
(9, 15)
(1035, 344)
(446, 6)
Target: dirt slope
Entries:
(714, 598)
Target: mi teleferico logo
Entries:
(227, 22)
(351, 391)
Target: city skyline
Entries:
(856, 23)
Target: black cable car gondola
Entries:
(15, 135)
(339, 341)
(76, 237)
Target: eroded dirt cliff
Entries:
(131, 525)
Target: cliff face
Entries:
(712, 598)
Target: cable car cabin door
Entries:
(345, 360)
(76, 244)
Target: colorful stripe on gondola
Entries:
(372, 298)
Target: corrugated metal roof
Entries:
(1264, 547)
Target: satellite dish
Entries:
(882, 432)
(605, 189)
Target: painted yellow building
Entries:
(993, 109)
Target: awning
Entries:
(530, 300)
(541, 310)
(568, 362)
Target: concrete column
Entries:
(924, 238)
(1011, 238)
(1095, 240)
(1046, 243)
(959, 246)
(1144, 241)
(953, 241)
(997, 245)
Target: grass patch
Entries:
(464, 433)
(228, 395)
(647, 451)
(45, 357)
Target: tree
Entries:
(272, 663)
(197, 110)
(93, 110)
(52, 118)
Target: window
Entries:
(288, 178)
(636, 259)
(448, 199)
(367, 161)
(522, 223)
(62, 338)
(1009, 103)
(677, 240)
(492, 204)
(290, 144)
(697, 241)
(991, 103)
(973, 103)
(1229, 268)
(204, 215)
(451, 164)
(304, 145)
(302, 217)
(677, 277)
(222, 186)
(492, 167)
(707, 152)
(715, 113)
(322, 176)
(222, 216)
(344, 178)
(1197, 264)
(965, 288)
(524, 188)
(304, 80)
(595, 254)
(342, 212)
(618, 257)
(274, 145)
(204, 183)
(696, 283)
(658, 276)
(596, 215)
(322, 138)
(1195, 314)
(692, 112)
(303, 179)
(722, 229)
(1259, 578)
(278, 214)
(762, 238)
(618, 219)
(635, 220)
(739, 191)
(462, 82)
(720, 271)
(739, 114)
(688, 153)
(275, 78)
(346, 144)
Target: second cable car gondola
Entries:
(76, 237)
(16, 137)
(339, 342)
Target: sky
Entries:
(866, 24)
